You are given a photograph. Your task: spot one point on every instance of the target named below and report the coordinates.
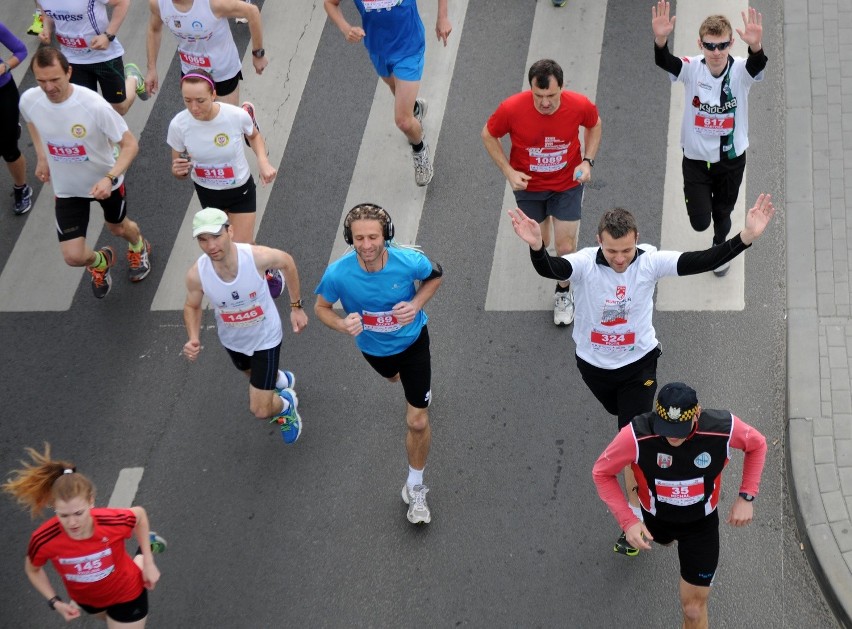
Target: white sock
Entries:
(286, 404)
(637, 511)
(415, 477)
(282, 382)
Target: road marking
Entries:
(292, 32)
(36, 277)
(705, 291)
(572, 35)
(384, 160)
(126, 487)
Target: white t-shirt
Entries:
(77, 136)
(204, 41)
(246, 316)
(705, 119)
(214, 146)
(76, 23)
(613, 319)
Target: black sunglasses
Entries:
(719, 46)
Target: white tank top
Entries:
(204, 41)
(246, 316)
(76, 23)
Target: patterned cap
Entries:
(676, 407)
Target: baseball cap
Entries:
(208, 221)
(676, 407)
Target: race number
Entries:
(242, 318)
(680, 493)
(380, 321)
(72, 153)
(215, 174)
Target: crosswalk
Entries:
(573, 35)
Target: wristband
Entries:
(53, 601)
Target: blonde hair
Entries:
(716, 25)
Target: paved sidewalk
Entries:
(818, 71)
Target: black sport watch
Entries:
(590, 160)
(110, 36)
(259, 53)
(746, 497)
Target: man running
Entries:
(205, 41)
(396, 41)
(617, 346)
(677, 452)
(377, 285)
(232, 276)
(73, 131)
(545, 167)
(714, 131)
(87, 37)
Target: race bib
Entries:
(547, 160)
(72, 153)
(242, 318)
(714, 125)
(380, 321)
(680, 493)
(194, 60)
(215, 174)
(378, 5)
(613, 342)
(78, 43)
(88, 569)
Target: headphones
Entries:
(368, 211)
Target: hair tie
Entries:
(68, 470)
(195, 75)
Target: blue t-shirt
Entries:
(373, 296)
(393, 28)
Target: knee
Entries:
(699, 222)
(406, 123)
(565, 246)
(117, 229)
(123, 107)
(417, 419)
(694, 609)
(75, 258)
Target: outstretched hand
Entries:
(757, 218)
(661, 23)
(752, 34)
(526, 228)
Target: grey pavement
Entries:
(818, 62)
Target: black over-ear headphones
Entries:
(368, 211)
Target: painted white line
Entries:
(572, 36)
(291, 36)
(705, 291)
(126, 487)
(36, 277)
(384, 171)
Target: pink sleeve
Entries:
(749, 439)
(620, 453)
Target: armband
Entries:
(437, 271)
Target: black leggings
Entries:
(10, 131)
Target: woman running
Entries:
(10, 127)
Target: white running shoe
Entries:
(418, 510)
(563, 307)
(423, 170)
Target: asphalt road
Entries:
(315, 535)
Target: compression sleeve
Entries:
(618, 454)
(749, 439)
(666, 60)
(551, 267)
(694, 262)
(756, 62)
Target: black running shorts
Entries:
(240, 200)
(108, 74)
(72, 213)
(263, 366)
(697, 545)
(414, 366)
(129, 611)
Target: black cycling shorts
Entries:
(414, 366)
(72, 213)
(263, 365)
(697, 545)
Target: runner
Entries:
(231, 275)
(205, 141)
(617, 346)
(73, 131)
(377, 287)
(86, 545)
(205, 41)
(678, 452)
(396, 41)
(714, 131)
(545, 167)
(10, 127)
(87, 37)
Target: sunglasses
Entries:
(711, 47)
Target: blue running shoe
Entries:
(289, 420)
(291, 381)
(560, 3)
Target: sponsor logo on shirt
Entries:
(235, 295)
(221, 139)
(702, 460)
(65, 17)
(664, 460)
(620, 292)
(714, 109)
(78, 131)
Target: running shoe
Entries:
(291, 381)
(559, 3)
(158, 544)
(23, 199)
(423, 170)
(101, 280)
(418, 509)
(289, 420)
(139, 263)
(131, 69)
(722, 271)
(420, 108)
(37, 26)
(623, 548)
(275, 280)
(563, 307)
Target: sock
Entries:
(417, 147)
(561, 289)
(139, 247)
(415, 477)
(282, 382)
(285, 405)
(22, 187)
(637, 511)
(100, 262)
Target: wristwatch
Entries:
(112, 178)
(746, 497)
(590, 160)
(259, 53)
(296, 304)
(53, 601)
(110, 36)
